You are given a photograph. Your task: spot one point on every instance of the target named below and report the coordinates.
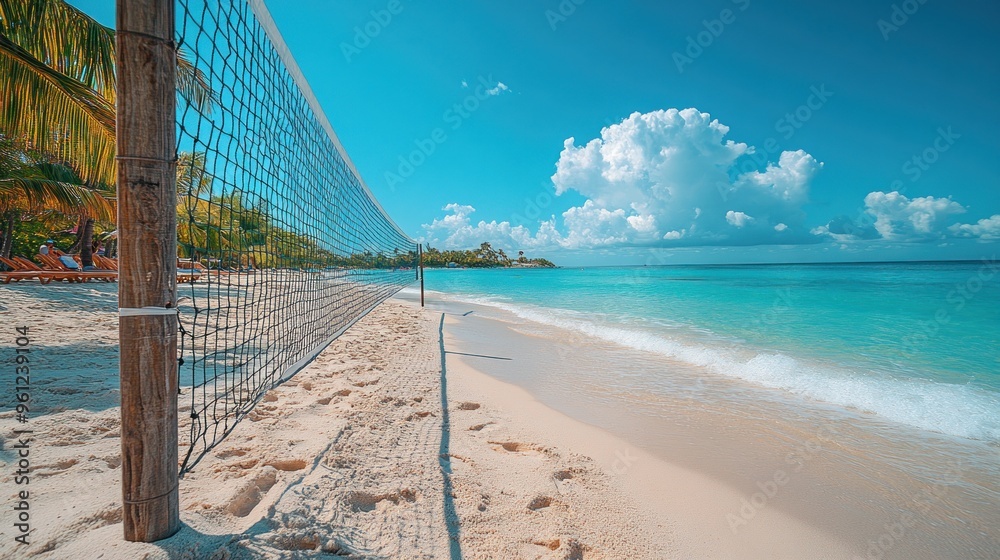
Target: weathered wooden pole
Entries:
(420, 255)
(147, 234)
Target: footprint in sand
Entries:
(366, 501)
(296, 542)
(288, 465)
(563, 475)
(227, 453)
(551, 544)
(102, 518)
(479, 427)
(55, 468)
(417, 415)
(468, 406)
(251, 493)
(540, 502)
(518, 447)
(574, 550)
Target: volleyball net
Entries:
(281, 244)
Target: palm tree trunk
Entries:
(8, 234)
(79, 235)
(87, 243)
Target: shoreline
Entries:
(682, 505)
(356, 456)
(848, 475)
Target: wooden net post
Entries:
(147, 233)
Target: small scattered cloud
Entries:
(465, 84)
(738, 219)
(498, 89)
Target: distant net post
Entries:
(420, 256)
(147, 233)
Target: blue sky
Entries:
(801, 146)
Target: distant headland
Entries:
(483, 257)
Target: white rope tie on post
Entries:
(144, 311)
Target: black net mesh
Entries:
(281, 245)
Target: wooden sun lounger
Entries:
(189, 271)
(106, 262)
(18, 272)
(54, 264)
(44, 276)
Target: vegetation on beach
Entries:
(57, 125)
(483, 257)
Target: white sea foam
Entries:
(959, 410)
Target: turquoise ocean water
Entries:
(915, 343)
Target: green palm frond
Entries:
(64, 38)
(56, 114)
(193, 84)
(34, 194)
(57, 84)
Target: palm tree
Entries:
(57, 94)
(33, 187)
(57, 84)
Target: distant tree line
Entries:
(483, 257)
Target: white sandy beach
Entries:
(341, 460)
(366, 454)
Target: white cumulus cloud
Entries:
(457, 231)
(675, 178)
(896, 217)
(663, 176)
(987, 228)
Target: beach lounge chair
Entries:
(62, 264)
(44, 276)
(18, 272)
(106, 262)
(189, 271)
